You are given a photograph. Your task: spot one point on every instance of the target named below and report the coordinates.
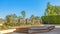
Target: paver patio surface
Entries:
(54, 31)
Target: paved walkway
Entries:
(56, 26)
(55, 31)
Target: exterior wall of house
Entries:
(36, 21)
(20, 20)
(27, 21)
(2, 21)
(33, 21)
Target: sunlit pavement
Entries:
(56, 26)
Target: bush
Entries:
(11, 24)
(54, 19)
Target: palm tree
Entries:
(23, 15)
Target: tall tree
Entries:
(11, 17)
(14, 16)
(32, 16)
(8, 18)
(57, 10)
(11, 20)
(23, 15)
(48, 8)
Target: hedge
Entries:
(54, 19)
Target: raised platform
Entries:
(37, 28)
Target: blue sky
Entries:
(36, 7)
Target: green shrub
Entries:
(54, 19)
